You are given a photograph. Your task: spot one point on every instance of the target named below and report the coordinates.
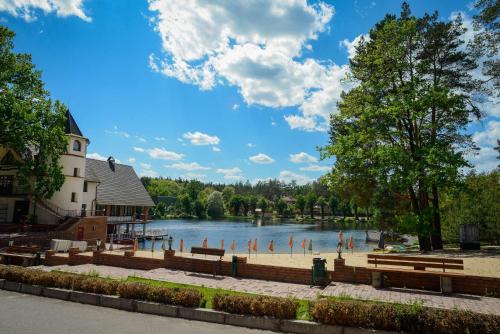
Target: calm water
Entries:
(325, 238)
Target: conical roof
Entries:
(71, 127)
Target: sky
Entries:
(219, 91)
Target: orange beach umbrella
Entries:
(181, 245)
(290, 243)
(232, 246)
(303, 245)
(255, 246)
(222, 244)
(271, 246)
(205, 243)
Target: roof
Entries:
(120, 186)
(70, 127)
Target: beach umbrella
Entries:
(222, 244)
(255, 246)
(136, 245)
(249, 246)
(303, 245)
(290, 243)
(271, 246)
(233, 246)
(205, 243)
(310, 246)
(181, 245)
(351, 244)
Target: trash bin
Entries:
(234, 266)
(319, 272)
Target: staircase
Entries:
(67, 223)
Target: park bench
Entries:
(23, 255)
(211, 252)
(419, 264)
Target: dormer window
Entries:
(77, 146)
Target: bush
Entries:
(281, 308)
(141, 291)
(397, 317)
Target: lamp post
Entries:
(98, 243)
(339, 250)
(170, 241)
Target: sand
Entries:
(483, 263)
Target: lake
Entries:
(325, 238)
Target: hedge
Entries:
(180, 296)
(282, 308)
(402, 317)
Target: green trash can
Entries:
(234, 266)
(319, 272)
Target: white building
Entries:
(91, 188)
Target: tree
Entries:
(32, 125)
(227, 194)
(253, 204)
(245, 202)
(301, 204)
(263, 205)
(199, 209)
(235, 204)
(215, 205)
(322, 204)
(185, 201)
(497, 148)
(311, 202)
(333, 203)
(402, 126)
(281, 207)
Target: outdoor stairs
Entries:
(67, 223)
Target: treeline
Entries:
(192, 198)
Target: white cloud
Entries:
(161, 153)
(190, 166)
(160, 138)
(288, 176)
(273, 123)
(148, 173)
(199, 138)
(230, 173)
(261, 158)
(96, 156)
(118, 132)
(28, 9)
(254, 46)
(315, 168)
(145, 165)
(193, 176)
(216, 149)
(302, 157)
(138, 149)
(250, 145)
(486, 160)
(132, 160)
(236, 106)
(141, 139)
(351, 45)
(489, 136)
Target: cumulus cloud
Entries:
(118, 132)
(96, 156)
(315, 168)
(139, 149)
(288, 176)
(216, 149)
(189, 166)
(251, 145)
(148, 173)
(132, 160)
(230, 173)
(350, 46)
(141, 139)
(489, 136)
(200, 139)
(261, 158)
(193, 176)
(236, 106)
(161, 153)
(486, 160)
(145, 165)
(161, 138)
(302, 157)
(255, 46)
(28, 9)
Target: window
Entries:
(85, 186)
(77, 146)
(76, 171)
(6, 183)
(73, 197)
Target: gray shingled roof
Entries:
(119, 187)
(70, 127)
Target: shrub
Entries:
(397, 317)
(281, 308)
(141, 291)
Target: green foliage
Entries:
(235, 203)
(32, 125)
(185, 202)
(199, 209)
(215, 205)
(301, 204)
(263, 204)
(322, 203)
(281, 207)
(311, 202)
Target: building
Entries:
(91, 188)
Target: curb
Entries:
(199, 314)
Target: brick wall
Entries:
(93, 228)
(349, 274)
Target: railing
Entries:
(59, 211)
(114, 219)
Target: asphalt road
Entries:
(20, 313)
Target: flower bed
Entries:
(281, 308)
(402, 317)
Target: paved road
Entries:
(20, 313)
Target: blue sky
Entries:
(218, 91)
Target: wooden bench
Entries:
(212, 252)
(23, 255)
(419, 264)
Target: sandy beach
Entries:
(485, 262)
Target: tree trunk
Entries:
(436, 239)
